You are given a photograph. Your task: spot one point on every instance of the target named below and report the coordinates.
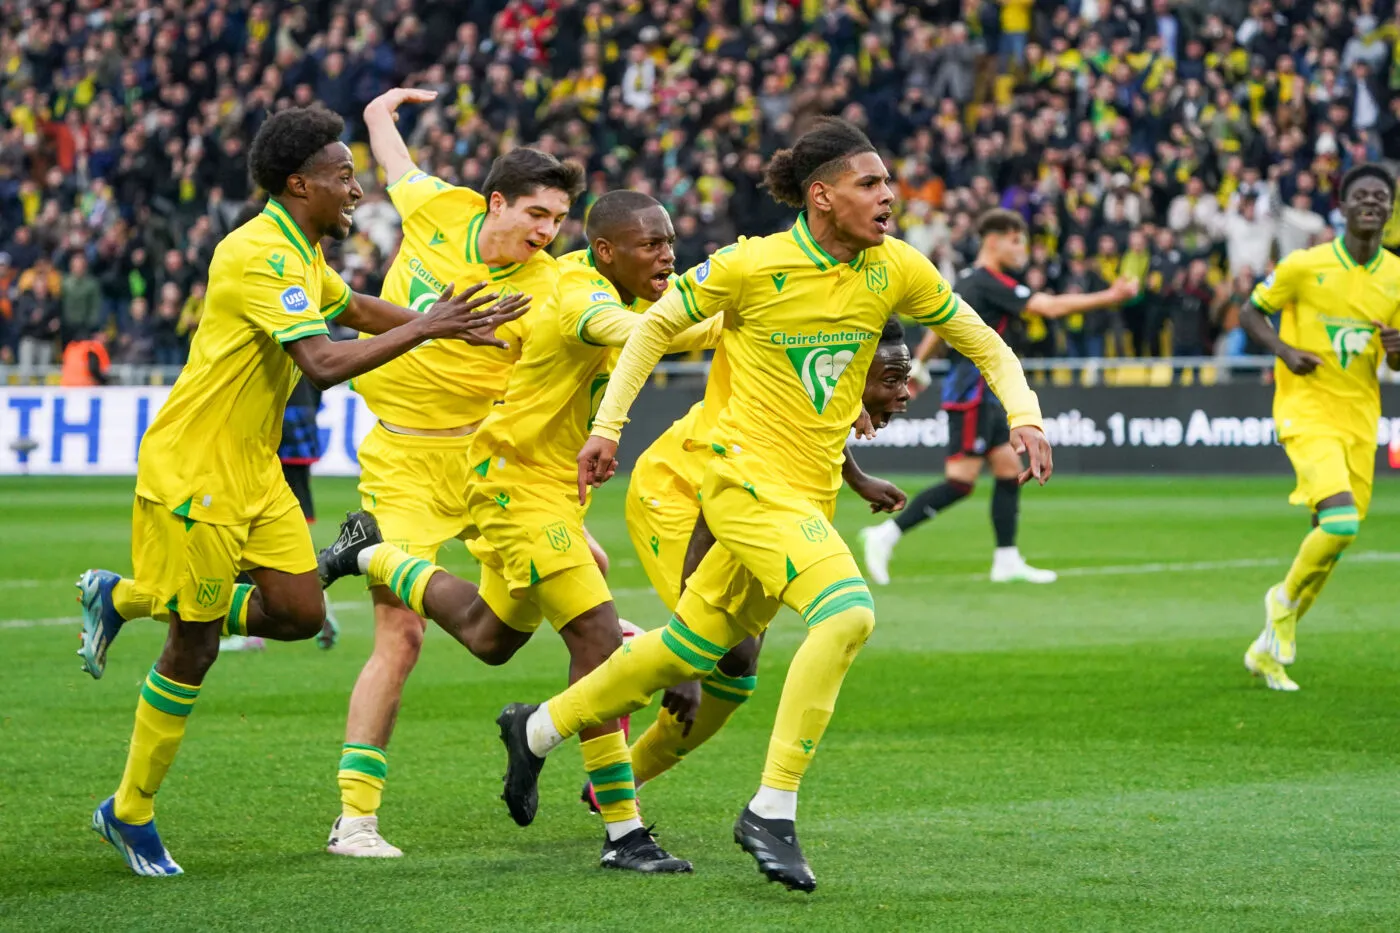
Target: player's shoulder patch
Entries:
(1023, 292)
(702, 272)
(294, 299)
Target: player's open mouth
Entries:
(535, 246)
(348, 212)
(883, 220)
(660, 280)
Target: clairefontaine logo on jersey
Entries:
(820, 368)
(1350, 340)
(702, 272)
(425, 287)
(294, 299)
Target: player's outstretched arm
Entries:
(967, 333)
(388, 147)
(470, 315)
(370, 315)
(649, 342)
(1056, 306)
(1299, 362)
(613, 326)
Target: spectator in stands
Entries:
(137, 343)
(38, 314)
(82, 301)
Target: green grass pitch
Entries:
(1085, 756)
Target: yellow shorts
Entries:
(190, 566)
(416, 489)
(1327, 465)
(660, 520)
(767, 534)
(531, 536)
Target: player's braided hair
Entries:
(1368, 170)
(524, 171)
(818, 153)
(288, 140)
(614, 210)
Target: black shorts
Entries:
(977, 429)
(298, 477)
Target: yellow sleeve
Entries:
(927, 297)
(335, 294)
(702, 293)
(966, 332)
(1279, 290)
(416, 189)
(611, 325)
(278, 305)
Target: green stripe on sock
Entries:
(170, 686)
(686, 653)
(700, 644)
(164, 703)
(1343, 520)
(721, 679)
(237, 609)
(615, 796)
(841, 604)
(397, 575)
(611, 774)
(348, 746)
(839, 585)
(364, 764)
(720, 694)
(405, 589)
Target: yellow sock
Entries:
(609, 767)
(1317, 556)
(406, 576)
(626, 681)
(160, 725)
(132, 602)
(363, 770)
(236, 622)
(840, 617)
(664, 744)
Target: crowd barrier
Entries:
(1180, 429)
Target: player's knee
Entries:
(960, 489)
(593, 637)
(398, 641)
(741, 660)
(849, 628)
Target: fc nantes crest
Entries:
(558, 534)
(877, 276)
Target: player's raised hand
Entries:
(1300, 362)
(683, 702)
(1126, 288)
(882, 495)
(471, 315)
(394, 98)
(865, 425)
(597, 462)
(1032, 442)
(1390, 338)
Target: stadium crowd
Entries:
(1187, 144)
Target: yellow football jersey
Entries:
(211, 452)
(1327, 302)
(554, 391)
(797, 320)
(446, 383)
(674, 452)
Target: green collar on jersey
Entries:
(474, 229)
(820, 257)
(290, 230)
(1339, 248)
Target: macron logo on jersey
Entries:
(294, 300)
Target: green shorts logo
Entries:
(820, 368)
(814, 529)
(207, 593)
(558, 535)
(1349, 342)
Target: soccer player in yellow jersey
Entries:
(211, 500)
(800, 309)
(522, 497)
(428, 403)
(662, 510)
(1339, 310)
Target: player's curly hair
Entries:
(820, 152)
(893, 331)
(1368, 170)
(524, 171)
(288, 140)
